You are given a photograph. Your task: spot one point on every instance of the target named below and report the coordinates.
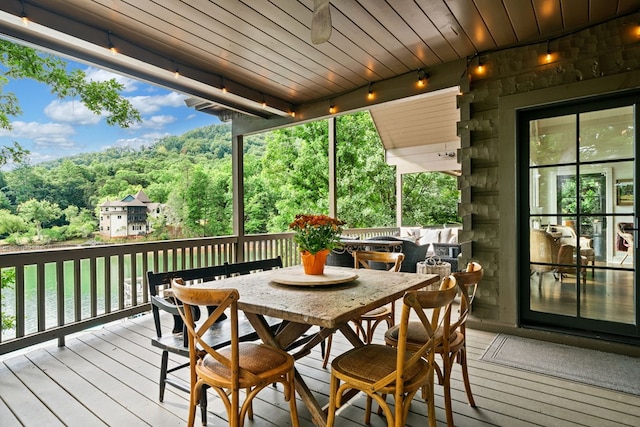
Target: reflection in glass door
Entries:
(579, 269)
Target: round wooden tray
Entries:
(298, 278)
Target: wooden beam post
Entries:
(333, 196)
(237, 171)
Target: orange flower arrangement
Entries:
(314, 233)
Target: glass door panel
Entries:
(581, 219)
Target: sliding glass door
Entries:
(578, 221)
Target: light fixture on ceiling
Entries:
(111, 46)
(293, 113)
(264, 102)
(332, 108)
(480, 69)
(23, 15)
(223, 88)
(422, 77)
(370, 94)
(176, 73)
(548, 56)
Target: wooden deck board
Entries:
(109, 376)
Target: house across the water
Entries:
(128, 217)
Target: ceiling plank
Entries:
(548, 15)
(497, 20)
(523, 19)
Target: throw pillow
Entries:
(445, 235)
(430, 235)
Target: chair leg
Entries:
(333, 391)
(462, 359)
(163, 373)
(203, 404)
(291, 397)
(327, 351)
(446, 383)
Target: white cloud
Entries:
(38, 131)
(154, 122)
(96, 75)
(71, 112)
(137, 142)
(151, 104)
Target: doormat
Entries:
(598, 368)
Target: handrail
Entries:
(61, 291)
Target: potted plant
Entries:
(316, 235)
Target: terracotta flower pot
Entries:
(314, 263)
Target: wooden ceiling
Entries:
(260, 51)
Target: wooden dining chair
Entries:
(454, 348)
(368, 322)
(239, 366)
(379, 370)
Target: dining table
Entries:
(313, 307)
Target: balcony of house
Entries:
(101, 368)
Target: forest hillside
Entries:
(286, 172)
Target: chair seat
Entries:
(372, 362)
(417, 336)
(261, 360)
(376, 313)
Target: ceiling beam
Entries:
(54, 33)
(443, 76)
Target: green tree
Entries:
(429, 198)
(295, 168)
(10, 223)
(39, 212)
(19, 62)
(82, 223)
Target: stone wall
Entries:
(582, 63)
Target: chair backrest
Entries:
(242, 268)
(437, 326)
(222, 299)
(543, 249)
(363, 258)
(468, 280)
(159, 282)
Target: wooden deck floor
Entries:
(109, 377)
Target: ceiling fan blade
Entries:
(321, 22)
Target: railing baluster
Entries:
(93, 285)
(77, 291)
(107, 284)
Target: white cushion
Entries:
(430, 235)
(445, 235)
(454, 237)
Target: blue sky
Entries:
(51, 128)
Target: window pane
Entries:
(607, 134)
(552, 140)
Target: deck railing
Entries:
(57, 292)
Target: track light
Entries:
(111, 46)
